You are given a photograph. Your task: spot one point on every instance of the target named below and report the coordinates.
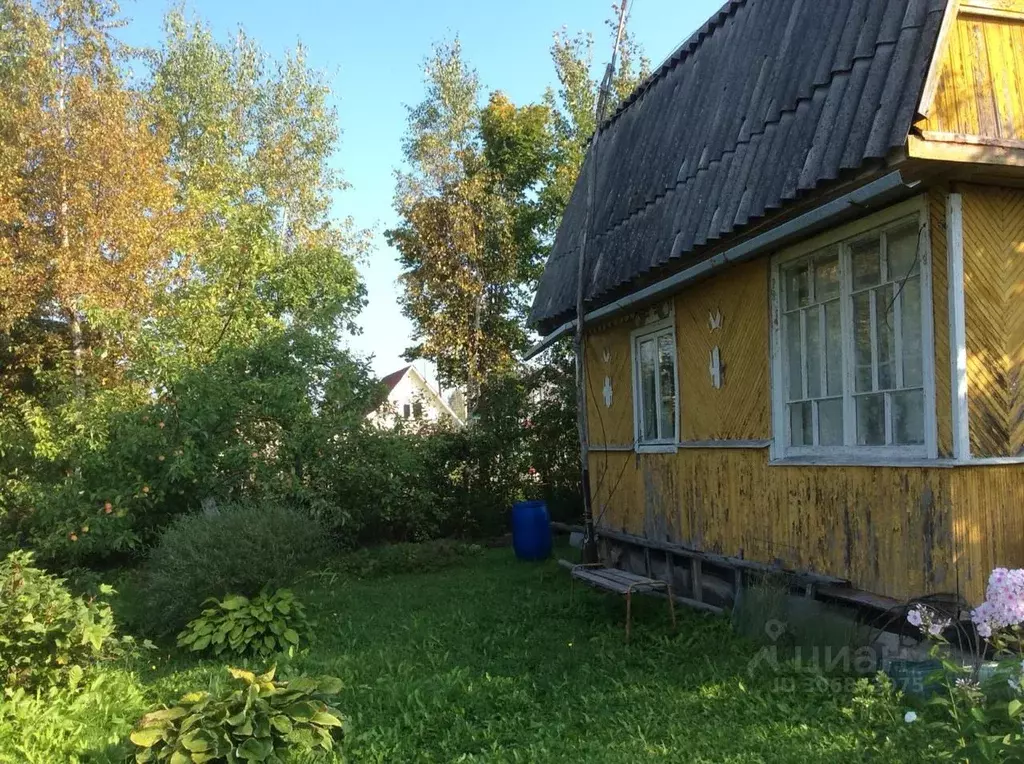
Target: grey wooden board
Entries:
(619, 581)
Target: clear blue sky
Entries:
(372, 52)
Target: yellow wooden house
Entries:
(804, 294)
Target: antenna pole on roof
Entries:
(589, 532)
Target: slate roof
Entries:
(394, 378)
(767, 102)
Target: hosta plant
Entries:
(259, 627)
(255, 719)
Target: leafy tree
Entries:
(479, 206)
(467, 237)
(250, 144)
(89, 219)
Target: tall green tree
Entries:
(250, 144)
(485, 189)
(467, 238)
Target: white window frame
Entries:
(850, 453)
(665, 444)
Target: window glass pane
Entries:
(830, 422)
(794, 357)
(648, 370)
(885, 332)
(796, 287)
(871, 420)
(910, 314)
(901, 246)
(813, 353)
(865, 258)
(667, 369)
(800, 424)
(833, 349)
(908, 417)
(826, 278)
(862, 340)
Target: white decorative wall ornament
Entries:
(657, 313)
(606, 356)
(715, 320)
(607, 392)
(715, 367)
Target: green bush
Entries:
(257, 719)
(237, 549)
(47, 636)
(260, 627)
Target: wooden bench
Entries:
(624, 583)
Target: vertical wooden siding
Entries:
(981, 81)
(888, 530)
(940, 321)
(740, 409)
(897, 531)
(988, 523)
(994, 301)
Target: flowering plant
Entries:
(985, 715)
(1000, 617)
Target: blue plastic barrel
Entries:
(531, 530)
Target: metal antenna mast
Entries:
(589, 534)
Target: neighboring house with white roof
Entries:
(411, 398)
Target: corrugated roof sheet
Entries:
(768, 101)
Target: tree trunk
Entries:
(71, 311)
(473, 378)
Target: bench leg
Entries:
(629, 613)
(672, 607)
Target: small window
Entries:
(417, 410)
(654, 374)
(852, 346)
(406, 409)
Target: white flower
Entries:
(910, 717)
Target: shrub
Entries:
(260, 627)
(46, 635)
(256, 719)
(238, 549)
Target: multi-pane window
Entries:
(654, 370)
(851, 340)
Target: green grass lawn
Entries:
(488, 661)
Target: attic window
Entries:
(853, 347)
(654, 386)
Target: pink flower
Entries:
(1004, 602)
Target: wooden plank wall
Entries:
(740, 409)
(988, 523)
(608, 357)
(994, 302)
(888, 530)
(980, 90)
(940, 320)
(901, 532)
